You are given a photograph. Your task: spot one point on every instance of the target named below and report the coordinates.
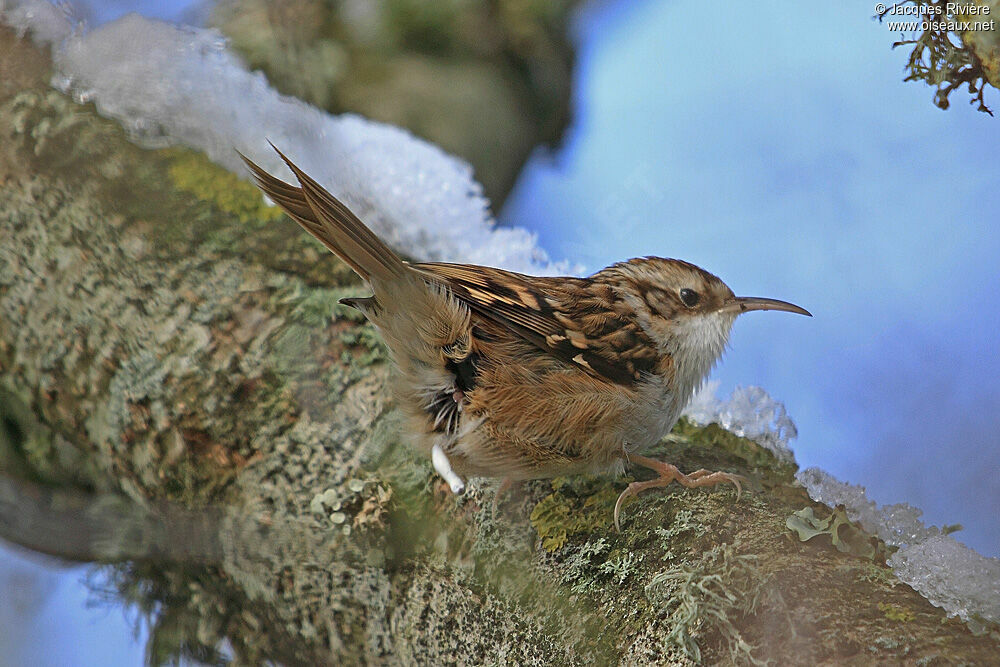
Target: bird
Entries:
(518, 377)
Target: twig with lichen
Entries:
(940, 56)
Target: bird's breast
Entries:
(657, 407)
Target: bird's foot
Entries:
(669, 473)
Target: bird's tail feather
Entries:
(329, 220)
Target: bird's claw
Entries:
(618, 505)
(668, 474)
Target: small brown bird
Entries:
(522, 377)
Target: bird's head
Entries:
(688, 311)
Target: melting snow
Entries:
(949, 574)
(169, 84)
(750, 413)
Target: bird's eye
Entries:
(689, 297)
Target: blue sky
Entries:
(48, 617)
(98, 12)
(779, 148)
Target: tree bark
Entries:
(183, 401)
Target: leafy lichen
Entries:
(684, 526)
(845, 535)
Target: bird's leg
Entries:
(669, 473)
(505, 485)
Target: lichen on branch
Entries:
(945, 55)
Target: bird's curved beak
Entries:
(743, 304)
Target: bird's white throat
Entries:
(696, 344)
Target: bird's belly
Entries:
(656, 411)
(559, 424)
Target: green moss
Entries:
(577, 506)
(424, 26)
(876, 576)
(714, 438)
(194, 173)
(895, 612)
(549, 519)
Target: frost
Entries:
(749, 413)
(47, 23)
(946, 572)
(954, 577)
(896, 525)
(169, 84)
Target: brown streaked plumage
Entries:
(521, 377)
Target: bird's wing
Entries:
(578, 320)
